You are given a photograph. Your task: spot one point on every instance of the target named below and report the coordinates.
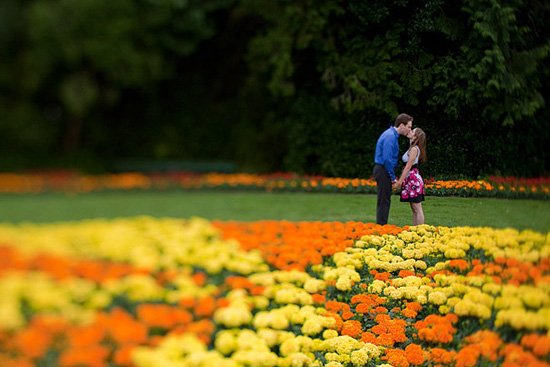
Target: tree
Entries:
(81, 55)
(469, 65)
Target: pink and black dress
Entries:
(412, 190)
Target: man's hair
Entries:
(402, 119)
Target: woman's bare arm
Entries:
(413, 153)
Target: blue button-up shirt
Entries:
(387, 150)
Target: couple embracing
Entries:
(385, 161)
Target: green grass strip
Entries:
(439, 211)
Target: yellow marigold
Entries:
(299, 360)
(269, 336)
(313, 285)
(226, 342)
(329, 334)
(508, 303)
(419, 264)
(464, 308)
(316, 323)
(344, 283)
(359, 357)
(289, 347)
(437, 298)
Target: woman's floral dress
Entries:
(412, 189)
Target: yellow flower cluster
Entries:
(345, 350)
(179, 351)
(237, 313)
(411, 288)
(384, 258)
(477, 296)
(453, 243)
(480, 297)
(245, 347)
(344, 276)
(144, 242)
(281, 326)
(285, 287)
(76, 299)
(250, 348)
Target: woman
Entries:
(413, 185)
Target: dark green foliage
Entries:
(302, 85)
(472, 74)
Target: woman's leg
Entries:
(418, 214)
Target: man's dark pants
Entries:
(383, 192)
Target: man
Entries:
(385, 161)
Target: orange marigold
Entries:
(396, 357)
(352, 328)
(346, 315)
(368, 337)
(379, 329)
(467, 356)
(382, 276)
(385, 340)
(205, 306)
(415, 306)
(411, 314)
(318, 299)
(542, 346)
(363, 308)
(459, 264)
(439, 355)
(414, 354)
(406, 273)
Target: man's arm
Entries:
(390, 160)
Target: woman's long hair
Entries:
(420, 141)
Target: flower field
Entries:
(149, 292)
(504, 187)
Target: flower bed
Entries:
(150, 292)
(72, 182)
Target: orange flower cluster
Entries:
(352, 328)
(113, 333)
(162, 315)
(296, 245)
(341, 311)
(511, 271)
(85, 343)
(77, 345)
(516, 356)
(59, 267)
(74, 182)
(342, 183)
(539, 344)
(221, 179)
(368, 303)
(411, 310)
(387, 332)
(488, 345)
(30, 343)
(71, 182)
(337, 307)
(238, 282)
(383, 276)
(460, 185)
(442, 356)
(412, 355)
(437, 329)
(459, 264)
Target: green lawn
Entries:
(497, 213)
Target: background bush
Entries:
(304, 86)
